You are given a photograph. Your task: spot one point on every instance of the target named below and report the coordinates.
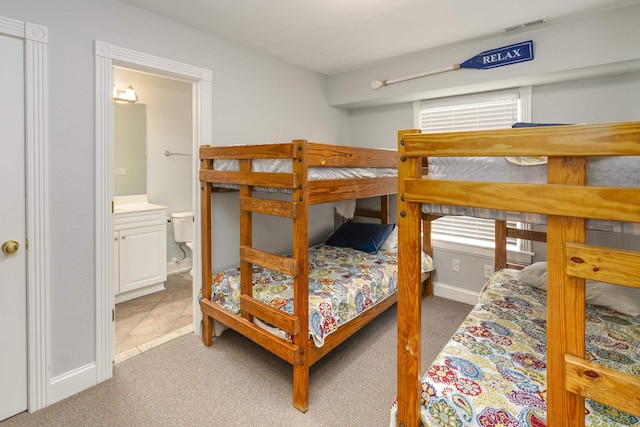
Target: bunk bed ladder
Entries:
(295, 266)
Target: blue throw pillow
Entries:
(362, 236)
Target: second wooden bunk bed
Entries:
(568, 202)
(303, 157)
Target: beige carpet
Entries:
(237, 383)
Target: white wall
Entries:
(379, 126)
(587, 45)
(604, 99)
(256, 99)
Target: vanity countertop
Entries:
(132, 204)
(138, 207)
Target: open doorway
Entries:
(153, 161)
(107, 57)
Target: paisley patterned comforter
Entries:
(493, 370)
(343, 282)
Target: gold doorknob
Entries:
(10, 246)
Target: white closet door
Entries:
(13, 284)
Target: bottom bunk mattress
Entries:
(493, 370)
(343, 282)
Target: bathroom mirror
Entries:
(130, 149)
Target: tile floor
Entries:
(145, 322)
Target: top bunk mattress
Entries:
(617, 171)
(314, 173)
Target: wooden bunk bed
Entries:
(568, 204)
(304, 159)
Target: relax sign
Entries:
(507, 55)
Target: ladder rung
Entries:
(269, 207)
(275, 262)
(274, 316)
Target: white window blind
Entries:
(497, 113)
(469, 231)
(494, 110)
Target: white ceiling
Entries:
(334, 36)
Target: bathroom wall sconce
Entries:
(128, 95)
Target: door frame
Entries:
(106, 56)
(35, 39)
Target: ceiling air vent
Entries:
(525, 26)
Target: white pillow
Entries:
(535, 275)
(392, 240)
(619, 298)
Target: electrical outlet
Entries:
(488, 271)
(455, 264)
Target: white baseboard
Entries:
(71, 383)
(454, 293)
(136, 293)
(178, 267)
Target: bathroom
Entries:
(159, 114)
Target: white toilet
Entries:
(183, 230)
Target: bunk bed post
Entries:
(427, 247)
(409, 300)
(301, 279)
(205, 215)
(565, 301)
(384, 209)
(500, 248)
(246, 241)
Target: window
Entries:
(493, 110)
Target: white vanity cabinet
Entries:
(140, 251)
